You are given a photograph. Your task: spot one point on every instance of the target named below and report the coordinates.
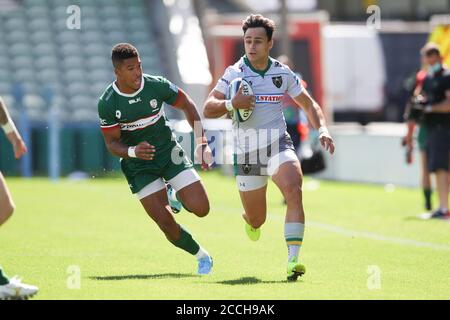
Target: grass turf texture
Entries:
(121, 254)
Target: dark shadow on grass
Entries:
(250, 280)
(145, 276)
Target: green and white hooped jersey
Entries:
(269, 86)
(140, 116)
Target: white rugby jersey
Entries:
(268, 86)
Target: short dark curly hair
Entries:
(256, 21)
(122, 51)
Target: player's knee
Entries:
(6, 211)
(199, 207)
(203, 209)
(292, 190)
(168, 226)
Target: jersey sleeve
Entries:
(294, 84)
(224, 82)
(167, 91)
(107, 117)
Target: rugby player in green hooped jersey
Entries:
(263, 147)
(136, 130)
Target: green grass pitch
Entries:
(361, 242)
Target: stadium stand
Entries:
(40, 51)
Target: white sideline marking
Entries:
(378, 237)
(355, 233)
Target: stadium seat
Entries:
(16, 36)
(5, 88)
(40, 24)
(22, 61)
(46, 62)
(75, 75)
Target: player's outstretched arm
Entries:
(187, 105)
(11, 132)
(216, 105)
(143, 150)
(317, 119)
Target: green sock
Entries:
(3, 278)
(186, 242)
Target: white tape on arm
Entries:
(131, 152)
(323, 130)
(9, 127)
(229, 105)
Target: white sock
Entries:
(293, 233)
(201, 253)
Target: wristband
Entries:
(9, 127)
(131, 152)
(428, 108)
(323, 130)
(229, 105)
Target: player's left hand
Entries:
(18, 144)
(327, 142)
(203, 153)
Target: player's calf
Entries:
(169, 227)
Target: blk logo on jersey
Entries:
(134, 100)
(277, 81)
(118, 114)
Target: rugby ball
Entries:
(240, 115)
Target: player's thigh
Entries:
(6, 201)
(157, 207)
(289, 177)
(194, 198)
(252, 190)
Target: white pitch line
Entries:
(378, 237)
(356, 233)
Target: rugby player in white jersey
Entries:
(11, 288)
(263, 147)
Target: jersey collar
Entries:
(128, 95)
(260, 72)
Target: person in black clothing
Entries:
(435, 103)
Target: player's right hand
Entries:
(145, 151)
(18, 144)
(242, 101)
